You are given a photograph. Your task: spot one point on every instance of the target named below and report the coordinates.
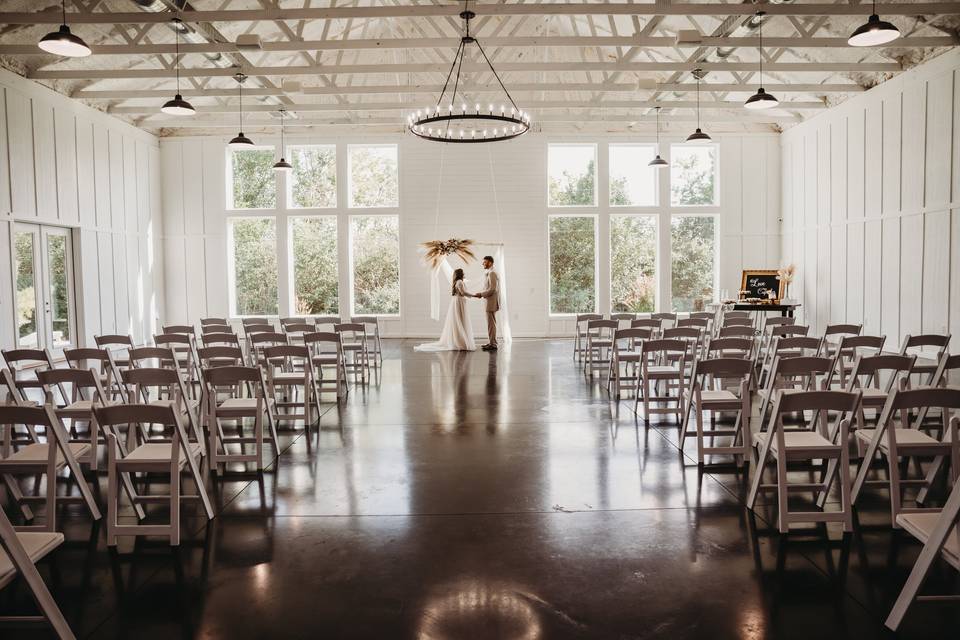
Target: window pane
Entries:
(26, 290)
(313, 181)
(573, 282)
(314, 247)
(572, 175)
(633, 263)
(373, 176)
(693, 250)
(693, 175)
(375, 252)
(254, 274)
(632, 181)
(252, 181)
(59, 291)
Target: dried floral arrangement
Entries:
(437, 250)
(787, 273)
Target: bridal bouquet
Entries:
(436, 250)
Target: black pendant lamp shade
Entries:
(875, 32)
(698, 134)
(658, 162)
(761, 99)
(63, 43)
(178, 106)
(282, 165)
(240, 141)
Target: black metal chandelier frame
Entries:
(447, 124)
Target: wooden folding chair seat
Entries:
(19, 552)
(165, 387)
(86, 395)
(897, 443)
(656, 373)
(809, 444)
(355, 348)
(41, 458)
(174, 455)
(625, 361)
(940, 535)
(290, 377)
(117, 345)
(926, 365)
(804, 372)
(327, 354)
(710, 391)
(599, 345)
(245, 398)
(580, 333)
(372, 326)
(23, 365)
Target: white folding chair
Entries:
(655, 372)
(708, 392)
(233, 394)
(580, 333)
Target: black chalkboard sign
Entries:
(757, 283)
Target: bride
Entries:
(457, 332)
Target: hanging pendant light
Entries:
(658, 162)
(698, 134)
(241, 141)
(761, 99)
(178, 106)
(875, 32)
(62, 42)
(282, 165)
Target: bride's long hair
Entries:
(457, 276)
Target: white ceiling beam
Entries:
(529, 106)
(539, 9)
(799, 67)
(435, 90)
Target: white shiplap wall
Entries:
(65, 164)
(871, 206)
(194, 218)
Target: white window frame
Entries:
(656, 181)
(290, 176)
(716, 177)
(596, 177)
(349, 181)
(367, 213)
(596, 262)
(228, 174)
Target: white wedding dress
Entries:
(457, 331)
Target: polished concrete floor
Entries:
(488, 496)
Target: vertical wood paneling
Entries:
(117, 217)
(192, 159)
(824, 162)
(66, 139)
(913, 123)
(108, 312)
(936, 267)
(838, 270)
(85, 174)
(23, 195)
(890, 280)
(911, 274)
(838, 169)
(873, 171)
(939, 140)
(89, 294)
(853, 190)
(4, 155)
(130, 185)
(45, 161)
(954, 309)
(872, 291)
(101, 160)
(855, 275)
(753, 201)
(891, 154)
(7, 331)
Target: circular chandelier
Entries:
(452, 122)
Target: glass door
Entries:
(44, 277)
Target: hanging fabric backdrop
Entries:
(442, 274)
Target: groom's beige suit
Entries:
(491, 291)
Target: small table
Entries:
(784, 309)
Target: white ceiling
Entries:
(365, 63)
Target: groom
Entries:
(491, 291)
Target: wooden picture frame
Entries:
(759, 281)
